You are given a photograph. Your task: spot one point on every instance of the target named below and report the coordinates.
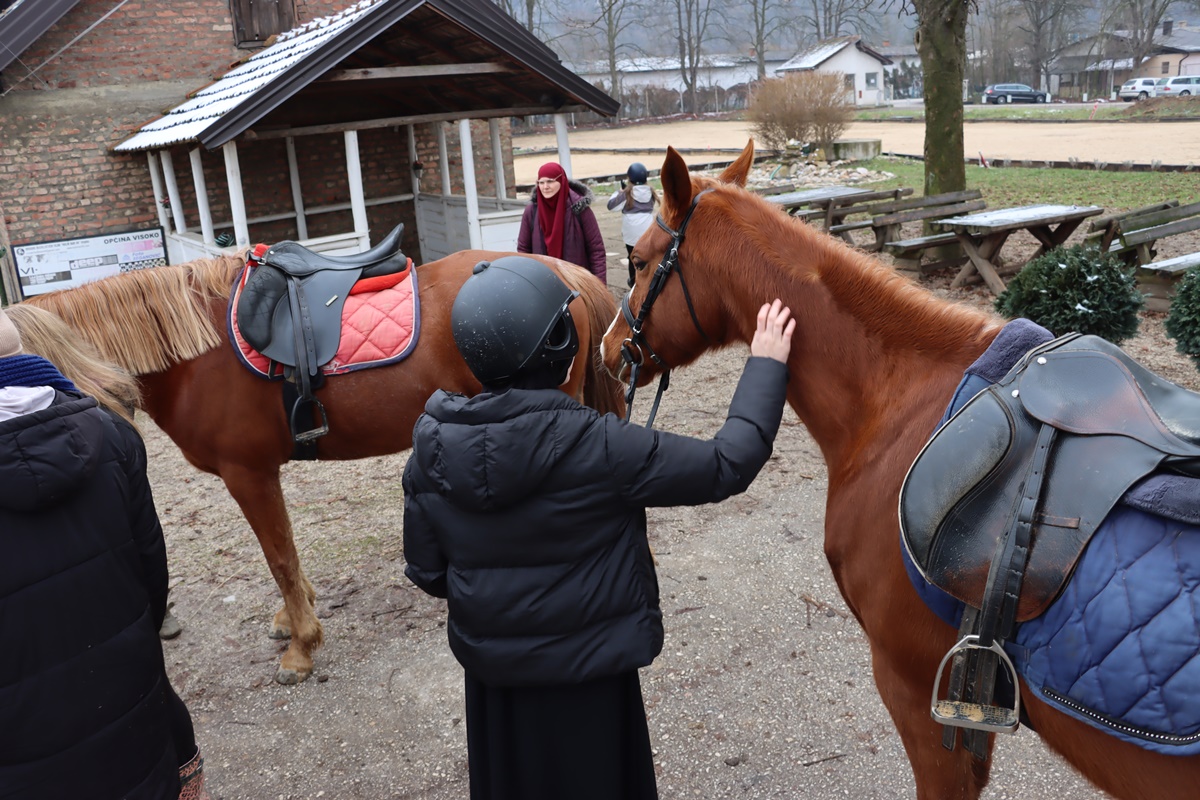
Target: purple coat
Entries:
(583, 243)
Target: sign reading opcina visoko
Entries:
(47, 266)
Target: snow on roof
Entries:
(817, 55)
(187, 121)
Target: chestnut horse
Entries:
(167, 326)
(874, 361)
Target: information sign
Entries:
(47, 266)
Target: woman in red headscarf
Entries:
(559, 222)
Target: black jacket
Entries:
(526, 510)
(83, 586)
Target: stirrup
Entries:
(303, 437)
(961, 714)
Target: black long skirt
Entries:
(585, 741)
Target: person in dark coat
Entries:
(527, 511)
(86, 709)
(559, 222)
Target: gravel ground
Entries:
(763, 689)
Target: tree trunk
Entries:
(941, 43)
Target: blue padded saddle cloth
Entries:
(1120, 647)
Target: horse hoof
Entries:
(280, 633)
(290, 677)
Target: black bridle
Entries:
(631, 348)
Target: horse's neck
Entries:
(871, 352)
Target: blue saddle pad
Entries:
(1119, 649)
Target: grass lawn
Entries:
(1174, 108)
(1017, 186)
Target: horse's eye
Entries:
(638, 263)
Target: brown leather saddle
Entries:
(1001, 502)
(290, 310)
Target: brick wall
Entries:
(59, 178)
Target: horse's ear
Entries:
(736, 172)
(676, 182)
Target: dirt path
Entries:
(1110, 142)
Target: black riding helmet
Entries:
(637, 173)
(512, 316)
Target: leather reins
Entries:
(631, 348)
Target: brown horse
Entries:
(167, 327)
(874, 361)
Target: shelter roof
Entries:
(23, 22)
(379, 62)
(818, 54)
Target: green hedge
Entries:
(1076, 289)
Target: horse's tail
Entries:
(601, 390)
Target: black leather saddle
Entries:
(1001, 502)
(290, 310)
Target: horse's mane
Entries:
(884, 301)
(44, 334)
(148, 319)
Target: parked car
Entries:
(1014, 93)
(1137, 89)
(1178, 86)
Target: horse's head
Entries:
(675, 310)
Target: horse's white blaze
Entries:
(603, 355)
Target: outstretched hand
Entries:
(773, 336)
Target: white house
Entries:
(717, 73)
(862, 66)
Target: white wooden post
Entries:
(297, 195)
(173, 192)
(497, 159)
(468, 163)
(412, 159)
(442, 158)
(358, 203)
(564, 149)
(206, 226)
(237, 202)
(156, 182)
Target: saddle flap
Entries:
(955, 464)
(1089, 392)
(257, 303)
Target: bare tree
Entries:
(767, 18)
(615, 17)
(1141, 18)
(1045, 30)
(825, 19)
(692, 20)
(525, 12)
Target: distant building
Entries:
(862, 65)
(1098, 64)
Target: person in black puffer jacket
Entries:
(527, 511)
(86, 709)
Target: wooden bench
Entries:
(1158, 280)
(908, 253)
(1102, 230)
(1133, 236)
(865, 203)
(886, 218)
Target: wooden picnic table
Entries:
(813, 202)
(982, 235)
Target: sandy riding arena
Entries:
(763, 690)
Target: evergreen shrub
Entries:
(1076, 289)
(1183, 321)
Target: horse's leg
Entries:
(260, 496)
(939, 773)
